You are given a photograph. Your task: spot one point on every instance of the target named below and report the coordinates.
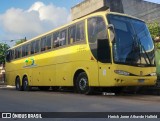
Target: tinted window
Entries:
(23, 50)
(72, 34)
(37, 46)
(43, 44)
(80, 32)
(56, 39)
(33, 47)
(48, 44)
(133, 44)
(62, 38)
(18, 53)
(27, 51)
(96, 29)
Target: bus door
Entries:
(104, 61)
(99, 45)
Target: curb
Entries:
(6, 86)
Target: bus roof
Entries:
(72, 22)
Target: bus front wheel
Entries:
(18, 84)
(26, 86)
(82, 84)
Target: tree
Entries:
(3, 48)
(21, 41)
(154, 29)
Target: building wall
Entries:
(139, 8)
(86, 7)
(142, 9)
(89, 6)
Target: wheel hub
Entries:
(83, 83)
(17, 85)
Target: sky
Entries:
(29, 18)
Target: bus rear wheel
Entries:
(82, 84)
(18, 84)
(26, 86)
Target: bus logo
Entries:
(30, 62)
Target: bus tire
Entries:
(26, 86)
(18, 84)
(44, 88)
(82, 84)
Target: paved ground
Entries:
(39, 101)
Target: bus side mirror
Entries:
(111, 29)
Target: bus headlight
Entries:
(120, 72)
(153, 74)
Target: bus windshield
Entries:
(133, 44)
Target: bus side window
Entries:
(63, 37)
(56, 39)
(16, 53)
(9, 55)
(97, 32)
(43, 44)
(32, 47)
(48, 43)
(37, 46)
(19, 52)
(80, 32)
(23, 50)
(27, 51)
(72, 34)
(96, 29)
(92, 30)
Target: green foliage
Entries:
(154, 29)
(3, 48)
(20, 41)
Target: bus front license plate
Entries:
(141, 80)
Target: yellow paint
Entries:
(56, 67)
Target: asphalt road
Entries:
(49, 101)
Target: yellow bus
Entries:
(103, 49)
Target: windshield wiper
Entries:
(142, 47)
